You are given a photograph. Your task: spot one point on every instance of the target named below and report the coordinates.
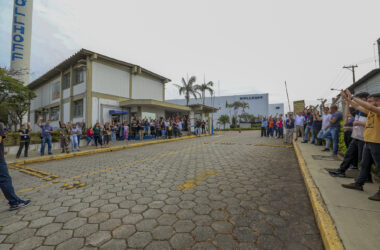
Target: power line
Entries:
(352, 68)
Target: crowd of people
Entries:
(278, 126)
(361, 133)
(109, 132)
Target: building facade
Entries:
(90, 87)
(258, 105)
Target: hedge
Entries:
(13, 138)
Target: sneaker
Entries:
(353, 186)
(19, 205)
(333, 170)
(303, 141)
(337, 174)
(50, 153)
(334, 155)
(352, 167)
(325, 150)
(375, 197)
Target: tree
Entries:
(244, 106)
(188, 88)
(205, 87)
(15, 97)
(224, 119)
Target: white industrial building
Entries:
(258, 105)
(94, 88)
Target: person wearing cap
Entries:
(354, 150)
(371, 149)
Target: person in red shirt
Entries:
(89, 135)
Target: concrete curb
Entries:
(329, 234)
(95, 151)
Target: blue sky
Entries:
(249, 46)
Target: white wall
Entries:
(371, 86)
(145, 88)
(66, 112)
(276, 108)
(44, 95)
(79, 88)
(66, 93)
(158, 111)
(101, 108)
(109, 80)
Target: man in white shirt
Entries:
(325, 121)
(300, 120)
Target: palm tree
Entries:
(244, 106)
(224, 119)
(205, 87)
(188, 88)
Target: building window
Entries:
(79, 75)
(277, 107)
(66, 81)
(56, 91)
(54, 114)
(78, 108)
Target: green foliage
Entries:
(234, 122)
(15, 98)
(188, 88)
(342, 145)
(224, 119)
(203, 88)
(13, 138)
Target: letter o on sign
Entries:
(18, 38)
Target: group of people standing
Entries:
(278, 126)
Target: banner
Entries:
(298, 106)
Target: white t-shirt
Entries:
(325, 121)
(300, 120)
(179, 124)
(358, 131)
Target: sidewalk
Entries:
(34, 156)
(356, 218)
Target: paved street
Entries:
(223, 192)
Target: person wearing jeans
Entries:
(309, 127)
(371, 150)
(46, 132)
(264, 125)
(332, 132)
(24, 140)
(74, 137)
(6, 185)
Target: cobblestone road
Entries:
(206, 193)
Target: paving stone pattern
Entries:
(257, 200)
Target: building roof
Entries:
(82, 54)
(365, 78)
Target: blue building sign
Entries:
(18, 37)
(251, 97)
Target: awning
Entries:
(117, 112)
(154, 103)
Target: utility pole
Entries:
(287, 95)
(352, 68)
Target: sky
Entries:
(243, 46)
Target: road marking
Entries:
(192, 183)
(129, 164)
(329, 234)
